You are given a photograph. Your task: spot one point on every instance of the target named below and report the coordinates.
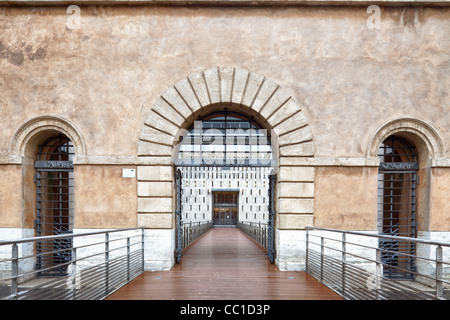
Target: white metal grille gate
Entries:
(54, 204)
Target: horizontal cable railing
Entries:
(357, 267)
(255, 230)
(98, 264)
(193, 230)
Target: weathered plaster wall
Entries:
(105, 78)
(440, 199)
(346, 198)
(103, 198)
(106, 75)
(11, 196)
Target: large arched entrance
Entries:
(224, 163)
(246, 93)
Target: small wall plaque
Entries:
(129, 173)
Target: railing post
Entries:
(378, 272)
(439, 273)
(307, 249)
(14, 270)
(322, 251)
(265, 236)
(74, 274)
(142, 245)
(189, 233)
(128, 258)
(198, 231)
(344, 261)
(184, 235)
(259, 234)
(106, 263)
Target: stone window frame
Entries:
(23, 148)
(423, 135)
(430, 149)
(43, 126)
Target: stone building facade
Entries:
(331, 81)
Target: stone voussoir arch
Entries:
(427, 134)
(176, 108)
(42, 124)
(199, 94)
(235, 86)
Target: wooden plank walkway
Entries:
(224, 264)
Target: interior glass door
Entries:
(225, 210)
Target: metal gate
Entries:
(397, 182)
(54, 204)
(271, 223)
(178, 218)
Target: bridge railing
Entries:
(193, 230)
(359, 265)
(255, 230)
(96, 265)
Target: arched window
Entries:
(225, 139)
(397, 204)
(54, 197)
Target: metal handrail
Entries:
(100, 263)
(355, 268)
(384, 236)
(63, 236)
(193, 230)
(258, 231)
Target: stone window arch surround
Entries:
(424, 136)
(35, 130)
(430, 149)
(23, 149)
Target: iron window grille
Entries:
(54, 204)
(397, 188)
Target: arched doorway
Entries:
(242, 91)
(397, 205)
(224, 162)
(54, 179)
